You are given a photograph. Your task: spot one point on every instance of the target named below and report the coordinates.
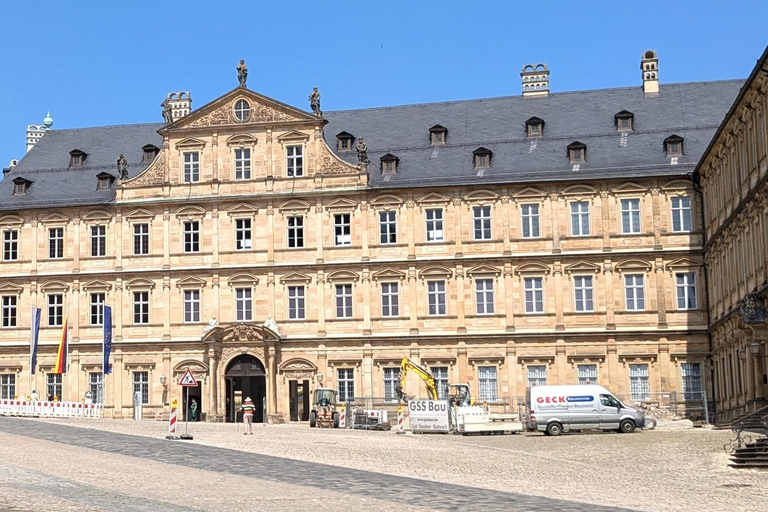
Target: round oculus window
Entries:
(242, 110)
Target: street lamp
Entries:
(163, 380)
(754, 347)
(743, 354)
(319, 377)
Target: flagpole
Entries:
(101, 399)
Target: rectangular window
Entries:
(345, 378)
(487, 385)
(582, 286)
(639, 385)
(534, 294)
(8, 387)
(191, 306)
(691, 374)
(295, 232)
(54, 386)
(141, 385)
(296, 306)
(140, 307)
(635, 292)
(55, 310)
(481, 217)
(98, 240)
(295, 161)
(686, 290)
(388, 227)
(97, 308)
(587, 374)
(243, 304)
(342, 229)
(343, 301)
(191, 236)
(56, 243)
(484, 296)
(97, 393)
(530, 220)
(191, 167)
(140, 239)
(243, 234)
(10, 245)
(681, 214)
(440, 373)
(436, 295)
(391, 381)
(389, 299)
(537, 375)
(243, 164)
(434, 225)
(630, 215)
(580, 218)
(9, 311)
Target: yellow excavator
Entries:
(458, 394)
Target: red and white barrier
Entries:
(172, 421)
(50, 409)
(400, 420)
(343, 416)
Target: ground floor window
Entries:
(391, 380)
(440, 373)
(639, 385)
(488, 389)
(346, 383)
(141, 385)
(97, 393)
(8, 387)
(54, 386)
(587, 373)
(537, 375)
(691, 373)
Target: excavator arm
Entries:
(424, 374)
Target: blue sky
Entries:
(97, 63)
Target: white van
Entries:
(557, 409)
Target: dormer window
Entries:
(76, 159)
(673, 145)
(389, 164)
(577, 152)
(105, 181)
(344, 141)
(150, 152)
(20, 186)
(534, 127)
(624, 121)
(482, 157)
(437, 135)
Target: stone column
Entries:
(657, 224)
(117, 311)
(215, 236)
(272, 362)
(120, 235)
(366, 285)
(167, 302)
(320, 287)
(413, 302)
(270, 233)
(506, 225)
(606, 220)
(554, 211)
(457, 213)
(365, 215)
(661, 302)
(35, 247)
(319, 231)
(213, 363)
(610, 321)
(166, 239)
(509, 304)
(460, 312)
(78, 245)
(558, 285)
(410, 229)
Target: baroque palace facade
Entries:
(503, 242)
(733, 174)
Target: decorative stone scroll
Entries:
(152, 175)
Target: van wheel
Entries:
(627, 427)
(554, 429)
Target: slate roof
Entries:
(691, 110)
(54, 184)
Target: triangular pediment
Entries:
(483, 270)
(140, 214)
(389, 273)
(684, 263)
(8, 287)
(97, 284)
(243, 209)
(530, 192)
(190, 142)
(432, 197)
(221, 112)
(54, 218)
(630, 188)
(341, 203)
(293, 136)
(190, 282)
(584, 267)
(296, 277)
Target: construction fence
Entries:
(49, 409)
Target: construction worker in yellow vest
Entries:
(248, 409)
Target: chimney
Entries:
(649, 64)
(179, 104)
(35, 132)
(535, 80)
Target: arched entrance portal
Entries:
(245, 377)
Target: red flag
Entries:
(61, 356)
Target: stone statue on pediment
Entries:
(314, 102)
(167, 111)
(242, 72)
(212, 324)
(270, 324)
(362, 151)
(122, 167)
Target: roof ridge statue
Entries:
(242, 72)
(122, 167)
(314, 102)
(167, 111)
(362, 151)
